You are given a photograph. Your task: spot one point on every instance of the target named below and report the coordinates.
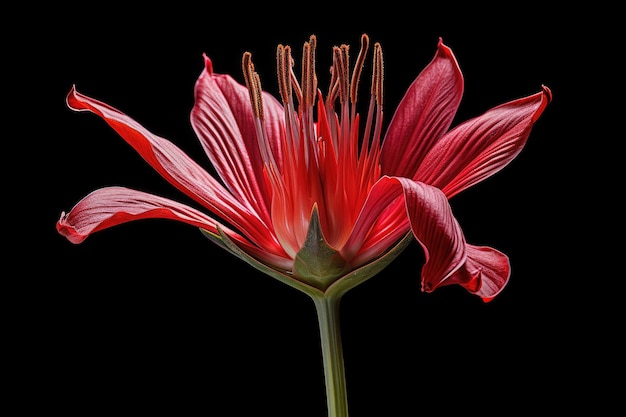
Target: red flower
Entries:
(307, 190)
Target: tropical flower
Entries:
(316, 195)
(307, 188)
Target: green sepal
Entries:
(285, 277)
(367, 271)
(317, 263)
(334, 291)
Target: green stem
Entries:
(332, 354)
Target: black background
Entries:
(152, 317)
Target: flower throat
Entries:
(323, 161)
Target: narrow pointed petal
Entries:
(482, 146)
(424, 114)
(222, 119)
(449, 259)
(111, 206)
(180, 170)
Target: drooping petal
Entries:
(449, 259)
(112, 206)
(222, 119)
(424, 114)
(480, 147)
(486, 271)
(431, 220)
(180, 170)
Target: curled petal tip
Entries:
(69, 232)
(546, 98)
(208, 64)
(442, 46)
(72, 99)
(547, 92)
(69, 95)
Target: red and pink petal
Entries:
(480, 147)
(449, 259)
(485, 272)
(223, 121)
(180, 170)
(112, 206)
(424, 114)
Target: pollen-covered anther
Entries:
(340, 67)
(253, 83)
(283, 65)
(309, 79)
(356, 73)
(378, 74)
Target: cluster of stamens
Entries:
(323, 164)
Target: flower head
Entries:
(312, 192)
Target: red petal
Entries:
(381, 223)
(112, 206)
(222, 119)
(180, 170)
(485, 272)
(449, 259)
(424, 115)
(480, 147)
(435, 227)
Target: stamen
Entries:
(345, 68)
(283, 67)
(312, 74)
(309, 79)
(333, 88)
(374, 114)
(356, 74)
(377, 77)
(253, 84)
(340, 64)
(258, 95)
(286, 78)
(305, 70)
(294, 79)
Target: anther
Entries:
(378, 74)
(340, 63)
(283, 69)
(345, 69)
(312, 74)
(258, 91)
(253, 84)
(356, 74)
(309, 80)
